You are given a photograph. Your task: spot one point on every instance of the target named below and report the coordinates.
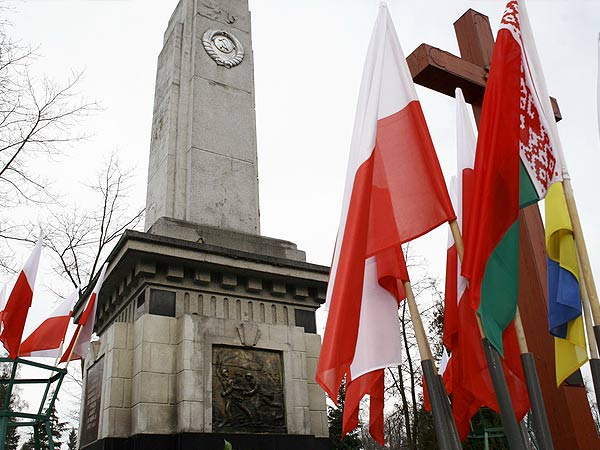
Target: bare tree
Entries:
(38, 117)
(81, 238)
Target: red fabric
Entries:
(47, 336)
(471, 383)
(495, 205)
(15, 315)
(369, 384)
(451, 300)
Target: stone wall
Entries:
(158, 374)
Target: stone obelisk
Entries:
(207, 329)
(203, 165)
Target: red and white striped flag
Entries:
(80, 343)
(46, 340)
(18, 304)
(394, 193)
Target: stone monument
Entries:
(207, 329)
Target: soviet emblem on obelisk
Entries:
(223, 47)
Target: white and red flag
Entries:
(46, 340)
(80, 342)
(394, 193)
(17, 307)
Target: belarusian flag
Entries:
(19, 302)
(394, 192)
(47, 338)
(80, 343)
(517, 160)
(471, 384)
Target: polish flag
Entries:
(80, 343)
(46, 339)
(18, 304)
(394, 193)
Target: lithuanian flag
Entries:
(564, 299)
(515, 163)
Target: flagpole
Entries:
(594, 360)
(73, 348)
(586, 269)
(513, 431)
(445, 427)
(60, 349)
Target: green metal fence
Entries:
(37, 420)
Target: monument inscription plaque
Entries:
(247, 390)
(91, 408)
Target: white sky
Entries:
(308, 63)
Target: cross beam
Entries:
(442, 71)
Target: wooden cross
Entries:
(567, 407)
(443, 72)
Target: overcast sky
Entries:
(308, 62)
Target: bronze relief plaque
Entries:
(247, 390)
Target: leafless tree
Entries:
(81, 238)
(38, 117)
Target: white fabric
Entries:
(444, 362)
(535, 74)
(2, 297)
(30, 267)
(466, 143)
(379, 327)
(83, 343)
(385, 89)
(598, 90)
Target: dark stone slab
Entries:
(211, 441)
(93, 397)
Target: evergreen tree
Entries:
(72, 439)
(334, 414)
(12, 437)
(29, 444)
(57, 430)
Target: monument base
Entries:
(210, 441)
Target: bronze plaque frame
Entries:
(247, 390)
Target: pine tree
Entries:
(335, 413)
(57, 430)
(12, 437)
(72, 440)
(29, 444)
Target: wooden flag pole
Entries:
(445, 427)
(540, 419)
(585, 266)
(60, 350)
(589, 329)
(73, 348)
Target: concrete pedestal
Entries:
(167, 303)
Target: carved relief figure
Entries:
(247, 391)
